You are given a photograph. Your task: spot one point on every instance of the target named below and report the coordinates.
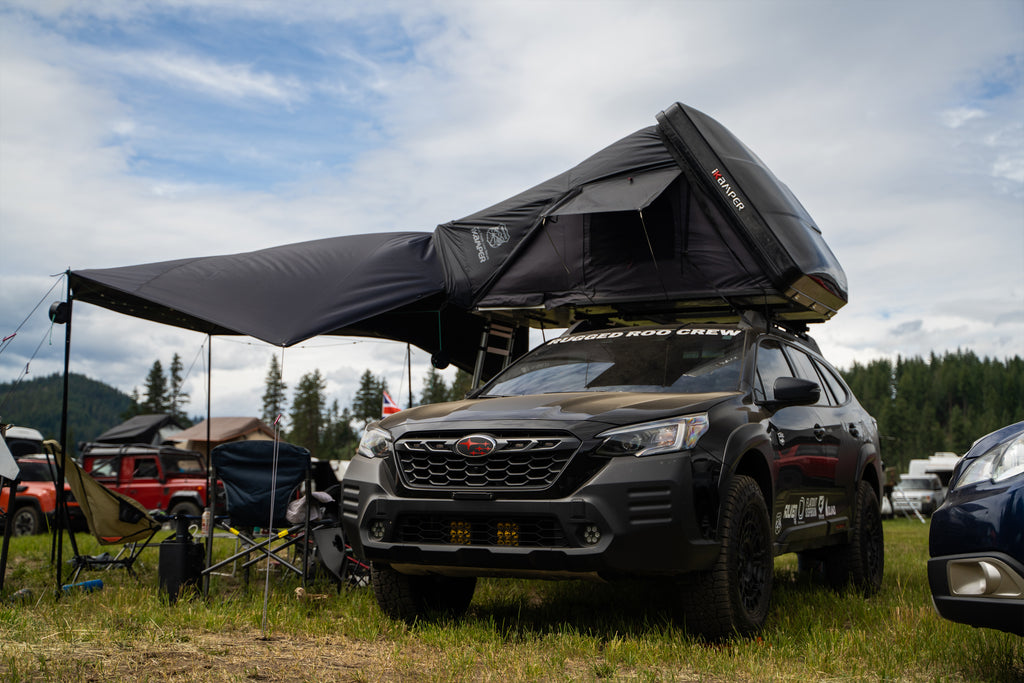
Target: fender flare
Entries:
(190, 496)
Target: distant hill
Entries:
(93, 407)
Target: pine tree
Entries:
(308, 411)
(156, 390)
(366, 407)
(461, 384)
(274, 401)
(178, 398)
(339, 442)
(135, 407)
(434, 388)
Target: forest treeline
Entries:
(922, 405)
(942, 403)
(93, 407)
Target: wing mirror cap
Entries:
(796, 391)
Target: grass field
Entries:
(515, 631)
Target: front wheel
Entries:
(733, 597)
(27, 521)
(184, 507)
(412, 597)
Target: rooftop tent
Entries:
(678, 220)
(147, 429)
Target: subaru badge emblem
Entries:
(475, 445)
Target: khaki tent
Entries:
(222, 430)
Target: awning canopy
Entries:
(282, 295)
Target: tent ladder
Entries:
(496, 340)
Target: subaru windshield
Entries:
(685, 360)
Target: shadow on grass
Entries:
(604, 610)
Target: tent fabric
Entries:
(282, 295)
(148, 429)
(622, 193)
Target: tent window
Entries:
(617, 237)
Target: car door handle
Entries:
(819, 432)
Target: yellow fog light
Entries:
(460, 533)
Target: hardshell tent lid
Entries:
(145, 429)
(676, 221)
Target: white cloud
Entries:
(232, 81)
(877, 126)
(954, 118)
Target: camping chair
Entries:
(113, 519)
(260, 479)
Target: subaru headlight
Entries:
(1004, 461)
(649, 438)
(375, 443)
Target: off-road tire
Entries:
(185, 507)
(735, 594)
(411, 598)
(862, 560)
(27, 521)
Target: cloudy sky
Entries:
(135, 131)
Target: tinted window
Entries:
(805, 369)
(146, 468)
(186, 463)
(834, 383)
(771, 364)
(34, 471)
(668, 359)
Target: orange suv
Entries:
(34, 510)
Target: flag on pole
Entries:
(389, 407)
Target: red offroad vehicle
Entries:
(162, 478)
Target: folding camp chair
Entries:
(113, 519)
(260, 479)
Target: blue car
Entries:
(976, 570)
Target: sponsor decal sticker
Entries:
(659, 332)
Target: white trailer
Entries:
(941, 464)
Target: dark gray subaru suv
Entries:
(695, 452)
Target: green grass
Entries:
(515, 631)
